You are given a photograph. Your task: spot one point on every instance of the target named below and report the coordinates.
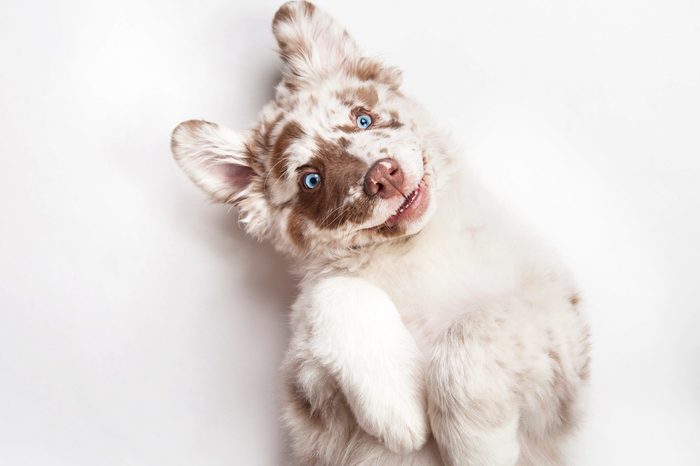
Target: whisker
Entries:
(333, 211)
(363, 203)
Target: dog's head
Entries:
(340, 158)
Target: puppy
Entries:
(430, 329)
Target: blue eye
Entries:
(364, 121)
(311, 180)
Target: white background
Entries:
(139, 326)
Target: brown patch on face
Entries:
(278, 158)
(260, 143)
(326, 204)
(265, 132)
(295, 228)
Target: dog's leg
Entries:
(504, 380)
(472, 406)
(356, 333)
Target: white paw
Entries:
(401, 429)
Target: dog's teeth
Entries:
(407, 202)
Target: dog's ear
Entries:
(311, 43)
(215, 158)
(220, 162)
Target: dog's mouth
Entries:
(413, 207)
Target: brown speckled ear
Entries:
(220, 161)
(313, 45)
(215, 158)
(310, 42)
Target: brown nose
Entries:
(385, 178)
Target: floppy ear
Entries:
(214, 157)
(219, 161)
(311, 43)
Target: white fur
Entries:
(383, 377)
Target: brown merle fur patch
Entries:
(327, 206)
(368, 69)
(291, 132)
(296, 227)
(364, 95)
(261, 141)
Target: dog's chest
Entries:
(433, 287)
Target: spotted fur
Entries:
(450, 337)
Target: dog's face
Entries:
(340, 159)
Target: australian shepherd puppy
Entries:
(429, 329)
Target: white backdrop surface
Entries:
(139, 326)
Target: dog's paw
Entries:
(401, 429)
(407, 437)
